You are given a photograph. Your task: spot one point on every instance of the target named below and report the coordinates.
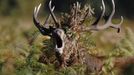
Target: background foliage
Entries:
(24, 7)
(21, 44)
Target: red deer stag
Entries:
(67, 47)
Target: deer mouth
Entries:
(58, 36)
(59, 44)
(58, 41)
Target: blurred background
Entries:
(24, 8)
(19, 54)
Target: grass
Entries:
(19, 54)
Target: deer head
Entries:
(54, 32)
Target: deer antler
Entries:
(96, 26)
(96, 23)
(52, 14)
(43, 30)
(48, 18)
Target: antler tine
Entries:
(48, 18)
(100, 17)
(36, 22)
(103, 8)
(76, 11)
(116, 26)
(78, 5)
(52, 14)
(113, 11)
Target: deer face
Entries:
(56, 33)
